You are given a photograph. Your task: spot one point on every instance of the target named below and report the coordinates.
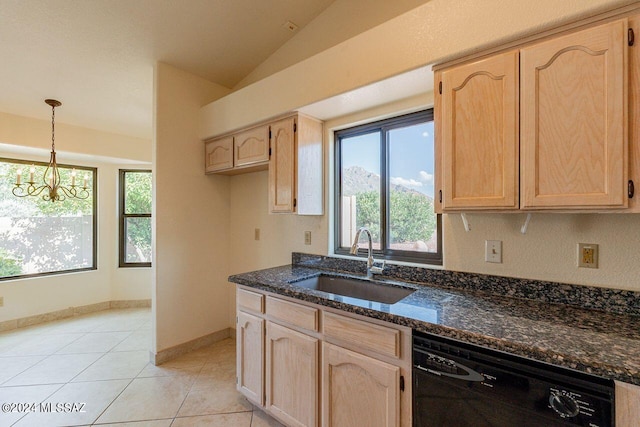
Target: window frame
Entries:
(123, 216)
(94, 228)
(383, 127)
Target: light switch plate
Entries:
(307, 237)
(493, 251)
(256, 234)
(1, 301)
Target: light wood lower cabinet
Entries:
(292, 376)
(249, 356)
(312, 368)
(358, 390)
(627, 405)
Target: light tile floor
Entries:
(101, 361)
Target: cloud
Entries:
(405, 182)
(426, 177)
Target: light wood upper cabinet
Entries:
(291, 148)
(292, 376)
(251, 146)
(574, 124)
(480, 134)
(249, 354)
(358, 390)
(282, 171)
(219, 154)
(296, 167)
(547, 130)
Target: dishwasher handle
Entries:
(470, 375)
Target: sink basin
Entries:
(354, 288)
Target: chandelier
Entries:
(52, 187)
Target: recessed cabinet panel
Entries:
(574, 124)
(252, 146)
(219, 155)
(480, 134)
(282, 171)
(292, 376)
(358, 390)
(250, 348)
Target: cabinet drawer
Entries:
(293, 314)
(362, 335)
(250, 300)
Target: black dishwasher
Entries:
(458, 384)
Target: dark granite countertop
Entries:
(603, 342)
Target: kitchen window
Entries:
(384, 182)
(135, 218)
(40, 237)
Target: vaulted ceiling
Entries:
(97, 56)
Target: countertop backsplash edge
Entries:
(609, 300)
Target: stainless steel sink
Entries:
(354, 288)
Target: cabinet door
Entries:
(479, 134)
(358, 390)
(627, 404)
(249, 353)
(292, 376)
(282, 169)
(573, 118)
(219, 155)
(251, 147)
(634, 115)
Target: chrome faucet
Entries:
(371, 268)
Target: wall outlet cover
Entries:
(588, 255)
(307, 237)
(256, 234)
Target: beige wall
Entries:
(191, 214)
(280, 234)
(30, 139)
(430, 33)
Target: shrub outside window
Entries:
(384, 182)
(39, 237)
(135, 218)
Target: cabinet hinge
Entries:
(630, 189)
(295, 127)
(440, 195)
(269, 151)
(440, 88)
(295, 202)
(631, 36)
(269, 133)
(401, 382)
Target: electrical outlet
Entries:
(256, 234)
(493, 251)
(307, 237)
(588, 255)
(1, 301)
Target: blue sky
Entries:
(411, 158)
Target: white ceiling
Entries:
(97, 56)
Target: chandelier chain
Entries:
(53, 128)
